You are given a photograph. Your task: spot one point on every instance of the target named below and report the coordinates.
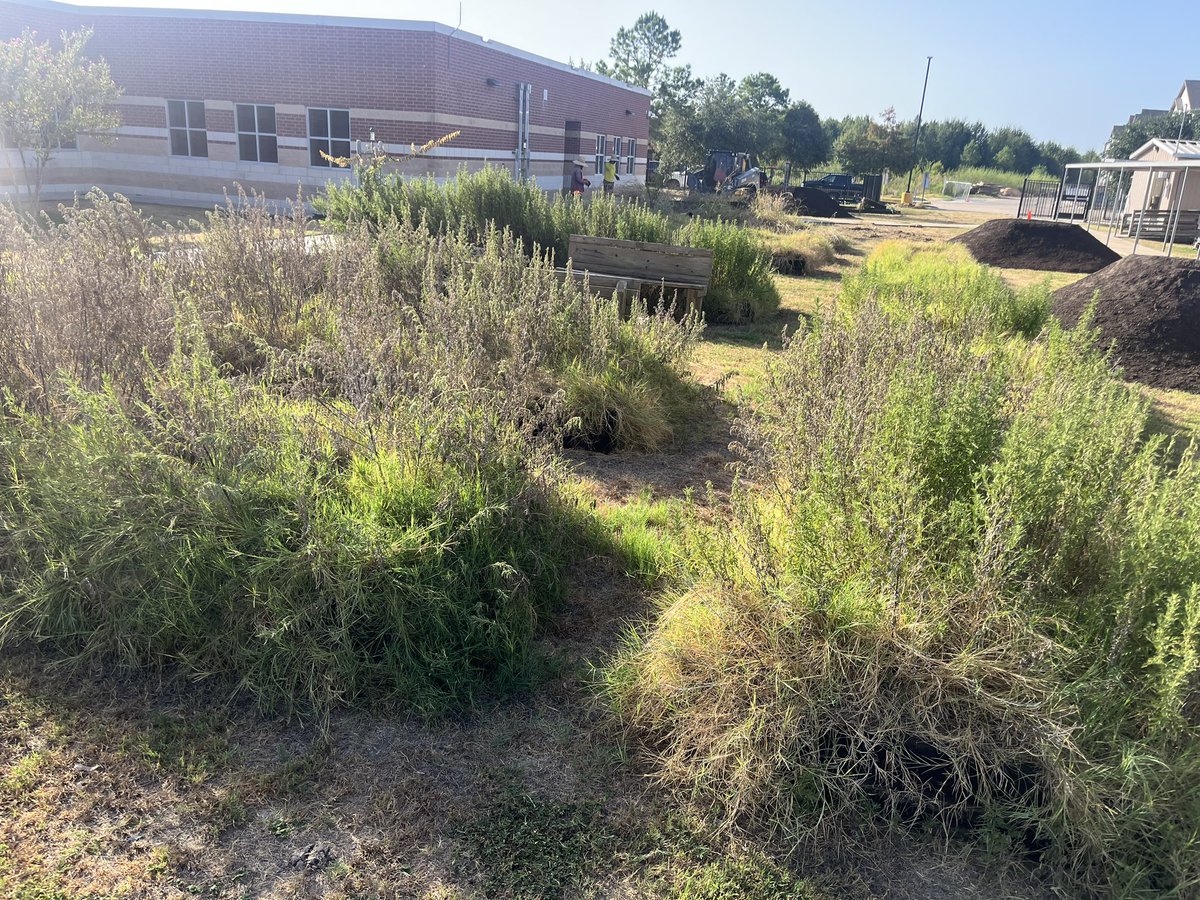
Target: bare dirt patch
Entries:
(702, 458)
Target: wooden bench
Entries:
(642, 270)
(1157, 224)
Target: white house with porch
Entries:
(1167, 188)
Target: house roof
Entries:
(1191, 90)
(326, 21)
(1177, 149)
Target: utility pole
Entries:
(917, 136)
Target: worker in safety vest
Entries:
(610, 175)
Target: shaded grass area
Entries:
(1175, 411)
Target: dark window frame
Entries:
(326, 133)
(185, 136)
(263, 136)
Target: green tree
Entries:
(975, 154)
(764, 103)
(805, 141)
(867, 146)
(676, 88)
(1138, 133)
(1013, 150)
(640, 55)
(763, 92)
(48, 97)
(722, 119)
(1006, 159)
(944, 142)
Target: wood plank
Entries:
(637, 245)
(684, 265)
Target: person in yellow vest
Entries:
(610, 175)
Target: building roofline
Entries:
(1186, 149)
(326, 22)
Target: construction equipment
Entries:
(726, 171)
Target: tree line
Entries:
(757, 114)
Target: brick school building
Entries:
(217, 98)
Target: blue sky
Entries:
(1065, 71)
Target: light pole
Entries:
(917, 136)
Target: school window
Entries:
(185, 123)
(257, 138)
(616, 152)
(328, 132)
(631, 155)
(601, 143)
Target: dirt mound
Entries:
(1048, 246)
(1149, 308)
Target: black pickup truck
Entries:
(842, 188)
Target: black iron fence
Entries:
(1039, 199)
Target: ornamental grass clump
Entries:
(944, 282)
(742, 288)
(319, 469)
(959, 588)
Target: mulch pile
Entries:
(814, 202)
(1046, 246)
(1149, 308)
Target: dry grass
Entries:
(1023, 278)
(1175, 410)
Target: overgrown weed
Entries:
(960, 587)
(474, 203)
(323, 472)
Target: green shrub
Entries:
(960, 587)
(742, 288)
(472, 203)
(274, 546)
(944, 282)
(324, 471)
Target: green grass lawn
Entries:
(737, 354)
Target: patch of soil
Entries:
(702, 458)
(1046, 246)
(1149, 308)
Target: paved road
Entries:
(997, 206)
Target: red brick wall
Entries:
(345, 67)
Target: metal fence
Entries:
(1039, 199)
